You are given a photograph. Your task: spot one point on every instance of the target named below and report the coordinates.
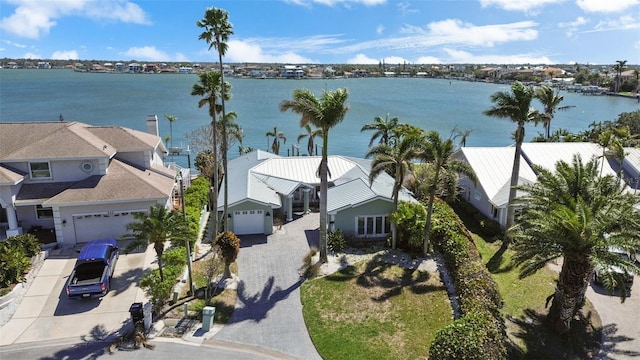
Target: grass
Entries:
(374, 310)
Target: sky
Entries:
(597, 32)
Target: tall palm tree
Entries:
(277, 136)
(157, 227)
(619, 67)
(396, 160)
(574, 214)
(517, 107)
(383, 129)
(438, 152)
(324, 113)
(171, 119)
(311, 134)
(550, 99)
(217, 30)
(463, 135)
(209, 87)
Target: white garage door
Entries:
(101, 225)
(248, 222)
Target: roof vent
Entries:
(86, 166)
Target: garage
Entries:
(101, 225)
(248, 222)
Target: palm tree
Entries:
(395, 160)
(619, 67)
(311, 134)
(576, 215)
(277, 136)
(217, 30)
(463, 135)
(517, 107)
(383, 129)
(158, 227)
(324, 113)
(438, 154)
(210, 87)
(171, 119)
(550, 99)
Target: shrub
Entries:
(480, 333)
(410, 220)
(15, 257)
(336, 241)
(157, 290)
(228, 247)
(309, 270)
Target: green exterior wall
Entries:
(345, 220)
(248, 205)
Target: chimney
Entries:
(152, 125)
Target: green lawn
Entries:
(375, 310)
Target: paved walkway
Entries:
(268, 312)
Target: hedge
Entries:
(480, 332)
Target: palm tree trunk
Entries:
(427, 231)
(570, 291)
(323, 201)
(224, 149)
(515, 175)
(215, 185)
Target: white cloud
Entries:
(65, 55)
(248, 51)
(395, 60)
(150, 53)
(606, 6)
(379, 29)
(518, 5)
(464, 57)
(33, 19)
(363, 60)
(573, 26)
(8, 42)
(31, 55)
(626, 22)
(405, 8)
(336, 2)
(428, 60)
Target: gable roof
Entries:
(493, 166)
(547, 155)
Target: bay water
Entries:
(432, 104)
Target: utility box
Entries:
(207, 317)
(148, 315)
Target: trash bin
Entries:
(137, 312)
(207, 317)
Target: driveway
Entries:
(45, 313)
(620, 321)
(268, 313)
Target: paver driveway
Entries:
(268, 312)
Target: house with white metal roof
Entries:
(80, 182)
(493, 166)
(263, 185)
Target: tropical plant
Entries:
(323, 113)
(438, 152)
(619, 67)
(311, 134)
(576, 215)
(550, 99)
(210, 86)
(228, 247)
(277, 136)
(409, 220)
(383, 129)
(397, 161)
(171, 119)
(462, 134)
(157, 227)
(517, 107)
(217, 30)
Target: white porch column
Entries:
(306, 199)
(14, 229)
(289, 207)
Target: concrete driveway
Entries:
(620, 321)
(268, 313)
(45, 313)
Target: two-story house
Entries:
(77, 181)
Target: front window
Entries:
(43, 213)
(377, 225)
(40, 170)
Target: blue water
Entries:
(126, 100)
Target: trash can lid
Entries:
(137, 306)
(208, 310)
